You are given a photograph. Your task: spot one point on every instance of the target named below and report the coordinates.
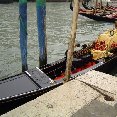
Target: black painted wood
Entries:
(98, 17)
(40, 77)
(16, 85)
(6, 1)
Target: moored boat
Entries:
(108, 14)
(99, 5)
(100, 16)
(101, 55)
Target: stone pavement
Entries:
(73, 99)
(97, 108)
(101, 81)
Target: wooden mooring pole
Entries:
(72, 40)
(23, 32)
(95, 10)
(41, 23)
(100, 4)
(115, 24)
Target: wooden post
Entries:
(41, 23)
(107, 4)
(23, 32)
(104, 10)
(100, 4)
(95, 6)
(72, 40)
(115, 24)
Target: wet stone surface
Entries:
(97, 109)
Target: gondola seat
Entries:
(77, 62)
(87, 58)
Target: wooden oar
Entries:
(72, 40)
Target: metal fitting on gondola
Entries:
(111, 32)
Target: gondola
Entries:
(98, 17)
(23, 87)
(83, 4)
(86, 6)
(107, 7)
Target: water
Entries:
(58, 28)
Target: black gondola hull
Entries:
(10, 102)
(21, 88)
(6, 1)
(98, 17)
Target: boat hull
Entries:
(10, 102)
(18, 89)
(6, 1)
(98, 18)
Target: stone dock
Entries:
(93, 94)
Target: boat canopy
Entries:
(104, 44)
(109, 37)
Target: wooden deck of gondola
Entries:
(24, 87)
(21, 88)
(81, 97)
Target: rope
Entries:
(107, 95)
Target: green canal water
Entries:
(58, 26)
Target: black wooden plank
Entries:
(16, 85)
(88, 69)
(40, 77)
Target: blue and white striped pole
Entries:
(23, 33)
(41, 23)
